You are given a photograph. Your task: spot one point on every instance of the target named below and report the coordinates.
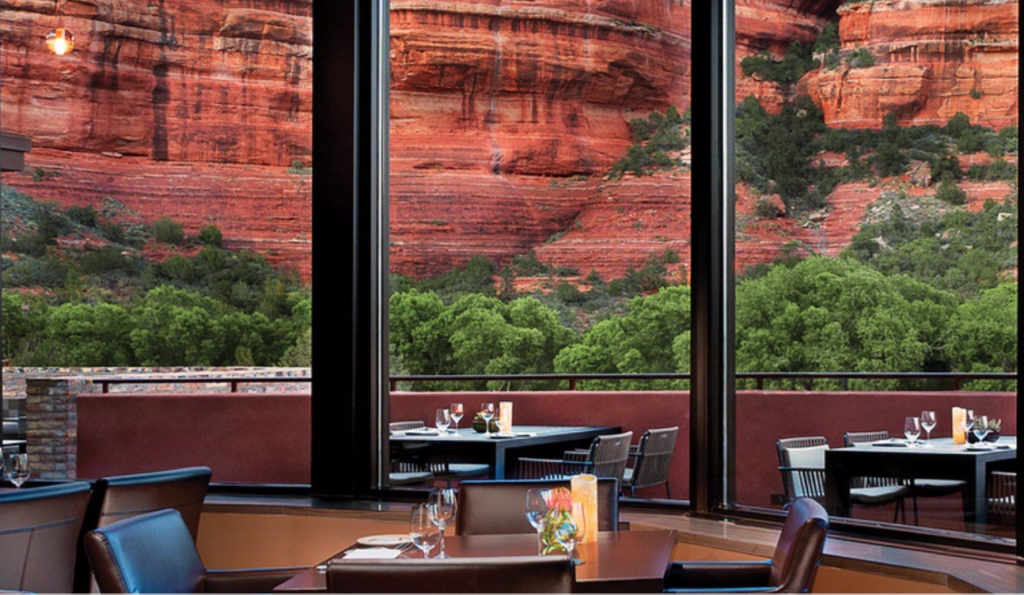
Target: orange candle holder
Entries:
(584, 491)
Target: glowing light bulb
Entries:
(60, 41)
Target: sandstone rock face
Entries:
(934, 58)
(504, 114)
(496, 106)
(189, 109)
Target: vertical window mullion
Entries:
(711, 403)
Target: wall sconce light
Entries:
(60, 40)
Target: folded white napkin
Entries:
(373, 553)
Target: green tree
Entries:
(83, 335)
(175, 327)
(828, 315)
(981, 334)
(652, 337)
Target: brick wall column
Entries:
(52, 432)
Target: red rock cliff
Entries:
(189, 109)
(934, 58)
(494, 105)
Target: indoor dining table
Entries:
(618, 562)
(499, 452)
(939, 459)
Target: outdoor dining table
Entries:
(940, 459)
(618, 562)
(501, 452)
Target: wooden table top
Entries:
(619, 561)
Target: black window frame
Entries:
(350, 403)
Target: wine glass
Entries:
(16, 468)
(424, 533)
(570, 529)
(442, 505)
(536, 511)
(912, 429)
(487, 413)
(928, 422)
(443, 420)
(457, 412)
(980, 429)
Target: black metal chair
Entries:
(652, 460)
(606, 457)
(1002, 495)
(802, 464)
(924, 488)
(409, 464)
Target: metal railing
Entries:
(807, 378)
(234, 381)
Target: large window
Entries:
(539, 213)
(162, 224)
(876, 233)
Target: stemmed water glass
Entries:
(424, 533)
(487, 413)
(443, 420)
(928, 422)
(457, 412)
(16, 468)
(536, 511)
(980, 429)
(442, 505)
(570, 530)
(912, 429)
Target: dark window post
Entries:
(712, 390)
(349, 186)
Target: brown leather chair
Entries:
(154, 553)
(123, 496)
(791, 570)
(499, 507)
(513, 574)
(39, 529)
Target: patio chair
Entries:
(1002, 495)
(652, 459)
(606, 457)
(792, 568)
(409, 464)
(802, 464)
(154, 553)
(39, 530)
(924, 488)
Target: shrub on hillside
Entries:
(84, 215)
(168, 231)
(211, 236)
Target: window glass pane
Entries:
(161, 223)
(539, 219)
(876, 228)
